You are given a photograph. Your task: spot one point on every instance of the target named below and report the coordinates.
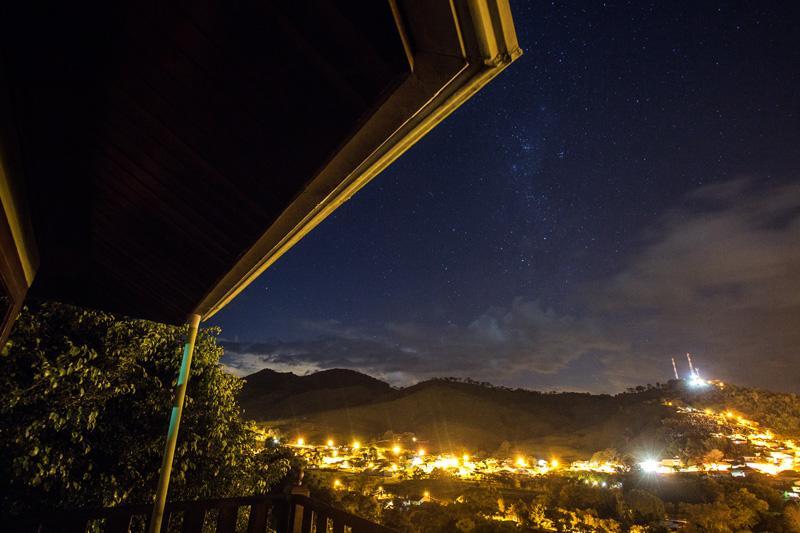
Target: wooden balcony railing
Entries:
(295, 513)
(308, 515)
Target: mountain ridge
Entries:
(456, 415)
(268, 393)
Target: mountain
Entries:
(268, 394)
(447, 414)
(456, 415)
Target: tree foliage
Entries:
(84, 404)
(644, 507)
(739, 510)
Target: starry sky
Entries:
(625, 192)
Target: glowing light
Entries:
(446, 462)
(776, 455)
(414, 439)
(337, 484)
(649, 465)
(426, 495)
(697, 382)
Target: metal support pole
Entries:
(174, 425)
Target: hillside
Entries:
(268, 394)
(450, 415)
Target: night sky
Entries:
(625, 192)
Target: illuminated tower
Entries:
(692, 372)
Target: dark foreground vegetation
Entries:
(84, 406)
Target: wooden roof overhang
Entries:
(156, 157)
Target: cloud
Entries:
(718, 275)
(501, 343)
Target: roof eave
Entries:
(488, 44)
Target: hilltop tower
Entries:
(692, 371)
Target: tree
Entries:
(582, 496)
(84, 405)
(609, 455)
(791, 517)
(533, 515)
(746, 507)
(644, 507)
(739, 510)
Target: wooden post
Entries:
(174, 425)
(300, 514)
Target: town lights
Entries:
(649, 466)
(777, 455)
